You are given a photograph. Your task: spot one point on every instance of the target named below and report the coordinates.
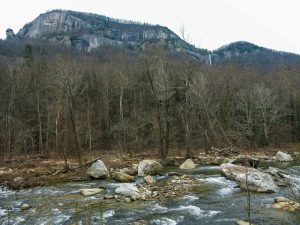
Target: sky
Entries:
(208, 24)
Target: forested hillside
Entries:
(70, 102)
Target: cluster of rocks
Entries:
(285, 204)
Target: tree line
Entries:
(129, 102)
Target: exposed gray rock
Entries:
(188, 165)
(97, 170)
(87, 31)
(10, 35)
(149, 167)
(249, 178)
(127, 189)
(283, 157)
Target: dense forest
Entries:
(72, 102)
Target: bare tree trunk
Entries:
(75, 134)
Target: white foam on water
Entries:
(108, 213)
(158, 207)
(227, 186)
(196, 211)
(190, 198)
(3, 212)
(164, 221)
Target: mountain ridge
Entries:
(89, 31)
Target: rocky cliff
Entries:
(90, 31)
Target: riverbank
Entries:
(30, 171)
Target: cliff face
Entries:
(89, 31)
(86, 31)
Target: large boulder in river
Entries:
(283, 157)
(149, 167)
(97, 170)
(188, 165)
(127, 189)
(123, 177)
(249, 178)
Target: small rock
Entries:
(109, 197)
(60, 204)
(127, 200)
(149, 179)
(91, 191)
(283, 157)
(241, 222)
(188, 165)
(25, 207)
(18, 179)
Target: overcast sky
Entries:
(210, 23)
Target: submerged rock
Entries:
(127, 189)
(90, 191)
(285, 204)
(119, 176)
(188, 165)
(283, 157)
(149, 167)
(249, 178)
(97, 170)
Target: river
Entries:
(216, 201)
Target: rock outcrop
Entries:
(249, 178)
(97, 170)
(87, 31)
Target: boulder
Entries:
(283, 157)
(97, 170)
(127, 189)
(90, 191)
(129, 171)
(149, 179)
(249, 178)
(149, 167)
(119, 176)
(188, 165)
(285, 204)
